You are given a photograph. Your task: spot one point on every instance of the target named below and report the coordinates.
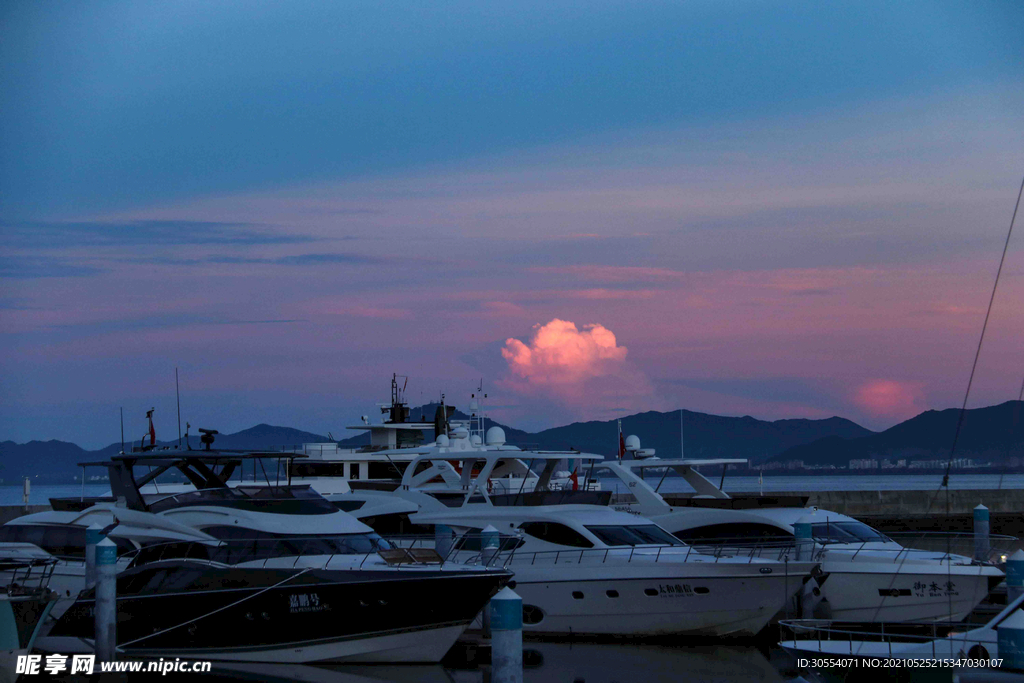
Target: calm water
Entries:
(567, 663)
(40, 495)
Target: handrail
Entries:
(865, 633)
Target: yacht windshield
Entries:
(245, 545)
(638, 534)
(846, 532)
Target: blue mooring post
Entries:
(506, 609)
(1014, 576)
(981, 536)
(93, 535)
(804, 539)
(1010, 638)
(443, 540)
(106, 600)
(489, 544)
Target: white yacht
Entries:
(866, 575)
(588, 569)
(397, 439)
(335, 590)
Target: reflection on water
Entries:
(558, 663)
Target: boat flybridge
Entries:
(398, 439)
(247, 556)
(867, 576)
(584, 568)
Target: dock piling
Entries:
(982, 547)
(506, 612)
(106, 600)
(1014, 576)
(93, 535)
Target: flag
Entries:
(622, 446)
(575, 479)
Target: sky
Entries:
(778, 209)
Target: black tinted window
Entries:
(558, 534)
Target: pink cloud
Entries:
(888, 398)
(584, 369)
(561, 353)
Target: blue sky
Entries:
(226, 187)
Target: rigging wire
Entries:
(963, 410)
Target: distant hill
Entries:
(988, 434)
(704, 436)
(995, 434)
(58, 460)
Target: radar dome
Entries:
(460, 433)
(442, 440)
(632, 443)
(475, 439)
(495, 436)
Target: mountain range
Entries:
(995, 433)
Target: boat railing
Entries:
(858, 633)
(301, 550)
(952, 546)
(28, 575)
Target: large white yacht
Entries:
(587, 569)
(312, 561)
(866, 575)
(399, 437)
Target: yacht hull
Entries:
(290, 616)
(701, 600)
(873, 592)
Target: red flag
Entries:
(622, 446)
(575, 479)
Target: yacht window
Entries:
(846, 532)
(314, 468)
(559, 534)
(385, 470)
(654, 535)
(245, 544)
(735, 532)
(640, 534)
(348, 505)
(474, 541)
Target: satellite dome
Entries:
(475, 439)
(632, 442)
(460, 433)
(442, 440)
(495, 436)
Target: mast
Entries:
(177, 399)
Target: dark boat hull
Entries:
(281, 615)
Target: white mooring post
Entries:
(981, 537)
(93, 535)
(443, 540)
(106, 600)
(804, 539)
(1014, 576)
(1010, 640)
(506, 609)
(489, 544)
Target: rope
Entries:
(219, 609)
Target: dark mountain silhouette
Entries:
(995, 434)
(988, 434)
(704, 436)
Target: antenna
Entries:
(122, 436)
(177, 399)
